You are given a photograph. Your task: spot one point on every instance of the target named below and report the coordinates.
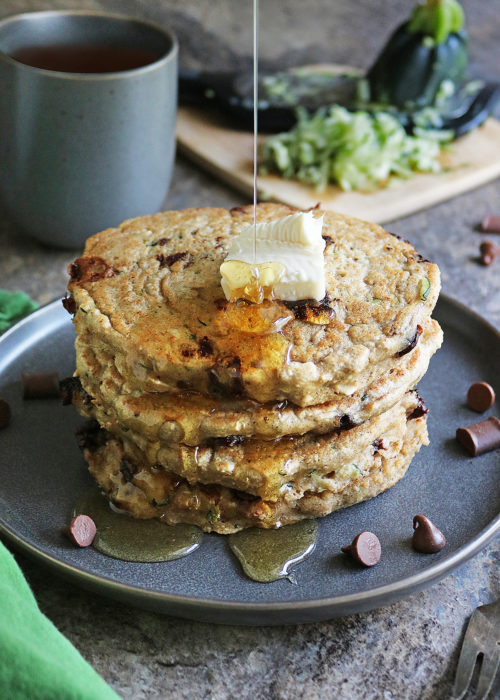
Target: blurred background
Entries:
(217, 34)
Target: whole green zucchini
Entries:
(423, 52)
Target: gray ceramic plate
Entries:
(42, 473)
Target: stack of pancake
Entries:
(231, 415)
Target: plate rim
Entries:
(186, 606)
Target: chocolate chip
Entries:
(379, 444)
(41, 386)
(74, 271)
(427, 538)
(69, 304)
(221, 304)
(90, 436)
(489, 252)
(412, 343)
(346, 422)
(227, 441)
(90, 269)
(4, 414)
(365, 548)
(69, 387)
(490, 224)
(81, 530)
(169, 260)
(205, 347)
(480, 397)
(480, 437)
(420, 410)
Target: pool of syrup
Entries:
(265, 555)
(123, 537)
(268, 555)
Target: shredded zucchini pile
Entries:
(355, 150)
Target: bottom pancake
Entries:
(153, 492)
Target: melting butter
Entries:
(286, 262)
(268, 555)
(122, 537)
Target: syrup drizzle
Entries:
(255, 124)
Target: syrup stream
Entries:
(255, 124)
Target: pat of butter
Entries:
(288, 265)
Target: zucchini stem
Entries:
(437, 19)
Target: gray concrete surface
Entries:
(406, 651)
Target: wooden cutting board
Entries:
(208, 140)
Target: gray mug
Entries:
(80, 152)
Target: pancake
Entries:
(264, 468)
(148, 492)
(195, 420)
(148, 296)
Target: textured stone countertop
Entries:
(408, 650)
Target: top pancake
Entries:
(149, 294)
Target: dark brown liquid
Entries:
(85, 59)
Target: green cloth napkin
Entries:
(36, 661)
(13, 307)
